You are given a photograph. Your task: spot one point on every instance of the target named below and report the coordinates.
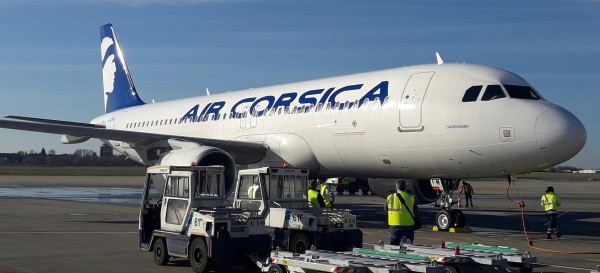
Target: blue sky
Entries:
(50, 57)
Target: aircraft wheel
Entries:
(276, 269)
(299, 243)
(459, 218)
(161, 255)
(198, 255)
(444, 220)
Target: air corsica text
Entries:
(308, 98)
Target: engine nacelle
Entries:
(420, 188)
(203, 156)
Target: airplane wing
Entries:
(242, 152)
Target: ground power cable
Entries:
(521, 204)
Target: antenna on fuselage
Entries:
(207, 92)
(438, 58)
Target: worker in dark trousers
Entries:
(315, 199)
(400, 220)
(468, 189)
(551, 202)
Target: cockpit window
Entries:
(472, 93)
(521, 92)
(493, 92)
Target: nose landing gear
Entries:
(447, 218)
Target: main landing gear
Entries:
(447, 218)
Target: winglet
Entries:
(438, 58)
(119, 91)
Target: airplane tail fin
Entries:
(119, 90)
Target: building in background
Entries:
(106, 150)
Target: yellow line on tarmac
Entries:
(594, 260)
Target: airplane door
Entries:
(243, 118)
(176, 202)
(411, 103)
(254, 117)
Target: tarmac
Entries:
(43, 230)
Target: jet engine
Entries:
(203, 156)
(419, 187)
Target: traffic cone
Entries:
(459, 201)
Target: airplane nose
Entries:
(560, 135)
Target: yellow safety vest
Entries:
(550, 201)
(312, 198)
(398, 214)
(326, 198)
(251, 191)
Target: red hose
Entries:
(530, 241)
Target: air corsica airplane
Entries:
(447, 121)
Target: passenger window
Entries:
(493, 92)
(472, 93)
(319, 107)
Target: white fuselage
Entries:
(418, 127)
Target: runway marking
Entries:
(567, 267)
(68, 232)
(594, 260)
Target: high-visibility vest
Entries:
(550, 201)
(312, 198)
(252, 191)
(397, 213)
(326, 198)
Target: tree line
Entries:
(79, 158)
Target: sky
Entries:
(50, 56)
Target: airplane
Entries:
(450, 121)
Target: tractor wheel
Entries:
(198, 255)
(161, 255)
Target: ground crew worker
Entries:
(315, 199)
(551, 202)
(326, 192)
(400, 220)
(468, 189)
(253, 191)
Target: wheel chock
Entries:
(455, 230)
